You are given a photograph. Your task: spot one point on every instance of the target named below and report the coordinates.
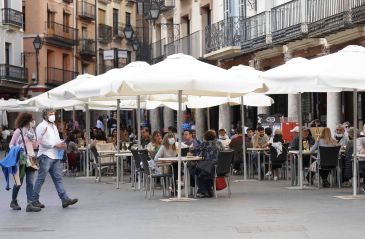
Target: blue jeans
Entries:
(53, 167)
(30, 175)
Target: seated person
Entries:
(325, 139)
(340, 136)
(278, 145)
(155, 144)
(236, 145)
(190, 142)
(260, 139)
(73, 154)
(223, 137)
(209, 149)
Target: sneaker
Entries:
(268, 173)
(32, 208)
(38, 204)
(69, 202)
(14, 205)
(275, 178)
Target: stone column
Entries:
(263, 110)
(200, 122)
(225, 117)
(333, 110)
(293, 107)
(168, 117)
(155, 119)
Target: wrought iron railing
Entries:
(118, 31)
(255, 30)
(13, 73)
(157, 50)
(12, 17)
(87, 47)
(62, 33)
(326, 16)
(222, 34)
(105, 1)
(56, 76)
(105, 33)
(357, 11)
(86, 10)
(286, 22)
(190, 45)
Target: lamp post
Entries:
(37, 43)
(154, 11)
(128, 32)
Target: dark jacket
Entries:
(10, 163)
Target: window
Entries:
(242, 8)
(115, 21)
(129, 57)
(50, 18)
(127, 18)
(66, 19)
(65, 61)
(7, 52)
(83, 33)
(84, 68)
(23, 9)
(101, 16)
(6, 3)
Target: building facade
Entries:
(12, 71)
(263, 34)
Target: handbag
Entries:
(31, 161)
(206, 167)
(220, 183)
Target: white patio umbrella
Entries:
(292, 78)
(344, 70)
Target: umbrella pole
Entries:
(61, 113)
(354, 177)
(179, 152)
(118, 141)
(300, 161)
(243, 139)
(208, 118)
(73, 117)
(139, 120)
(87, 138)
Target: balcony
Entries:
(358, 11)
(105, 1)
(327, 16)
(68, 1)
(87, 48)
(60, 35)
(12, 74)
(256, 32)
(118, 33)
(12, 18)
(130, 2)
(286, 22)
(105, 33)
(104, 68)
(223, 39)
(157, 51)
(189, 45)
(56, 76)
(86, 10)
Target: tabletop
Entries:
(305, 152)
(258, 149)
(175, 159)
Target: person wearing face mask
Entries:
(340, 136)
(168, 147)
(49, 156)
(25, 138)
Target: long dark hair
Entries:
(23, 119)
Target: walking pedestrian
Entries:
(49, 157)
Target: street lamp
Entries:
(37, 43)
(154, 11)
(128, 32)
(135, 44)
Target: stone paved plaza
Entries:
(263, 209)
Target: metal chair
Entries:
(280, 160)
(151, 176)
(329, 160)
(223, 169)
(137, 168)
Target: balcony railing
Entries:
(12, 17)
(118, 31)
(158, 51)
(105, 1)
(61, 35)
(358, 11)
(222, 34)
(13, 73)
(286, 22)
(68, 1)
(56, 76)
(189, 45)
(86, 10)
(105, 33)
(104, 68)
(255, 31)
(87, 48)
(327, 16)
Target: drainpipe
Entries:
(96, 38)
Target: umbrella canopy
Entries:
(295, 76)
(191, 76)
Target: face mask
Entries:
(52, 118)
(171, 141)
(338, 135)
(32, 124)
